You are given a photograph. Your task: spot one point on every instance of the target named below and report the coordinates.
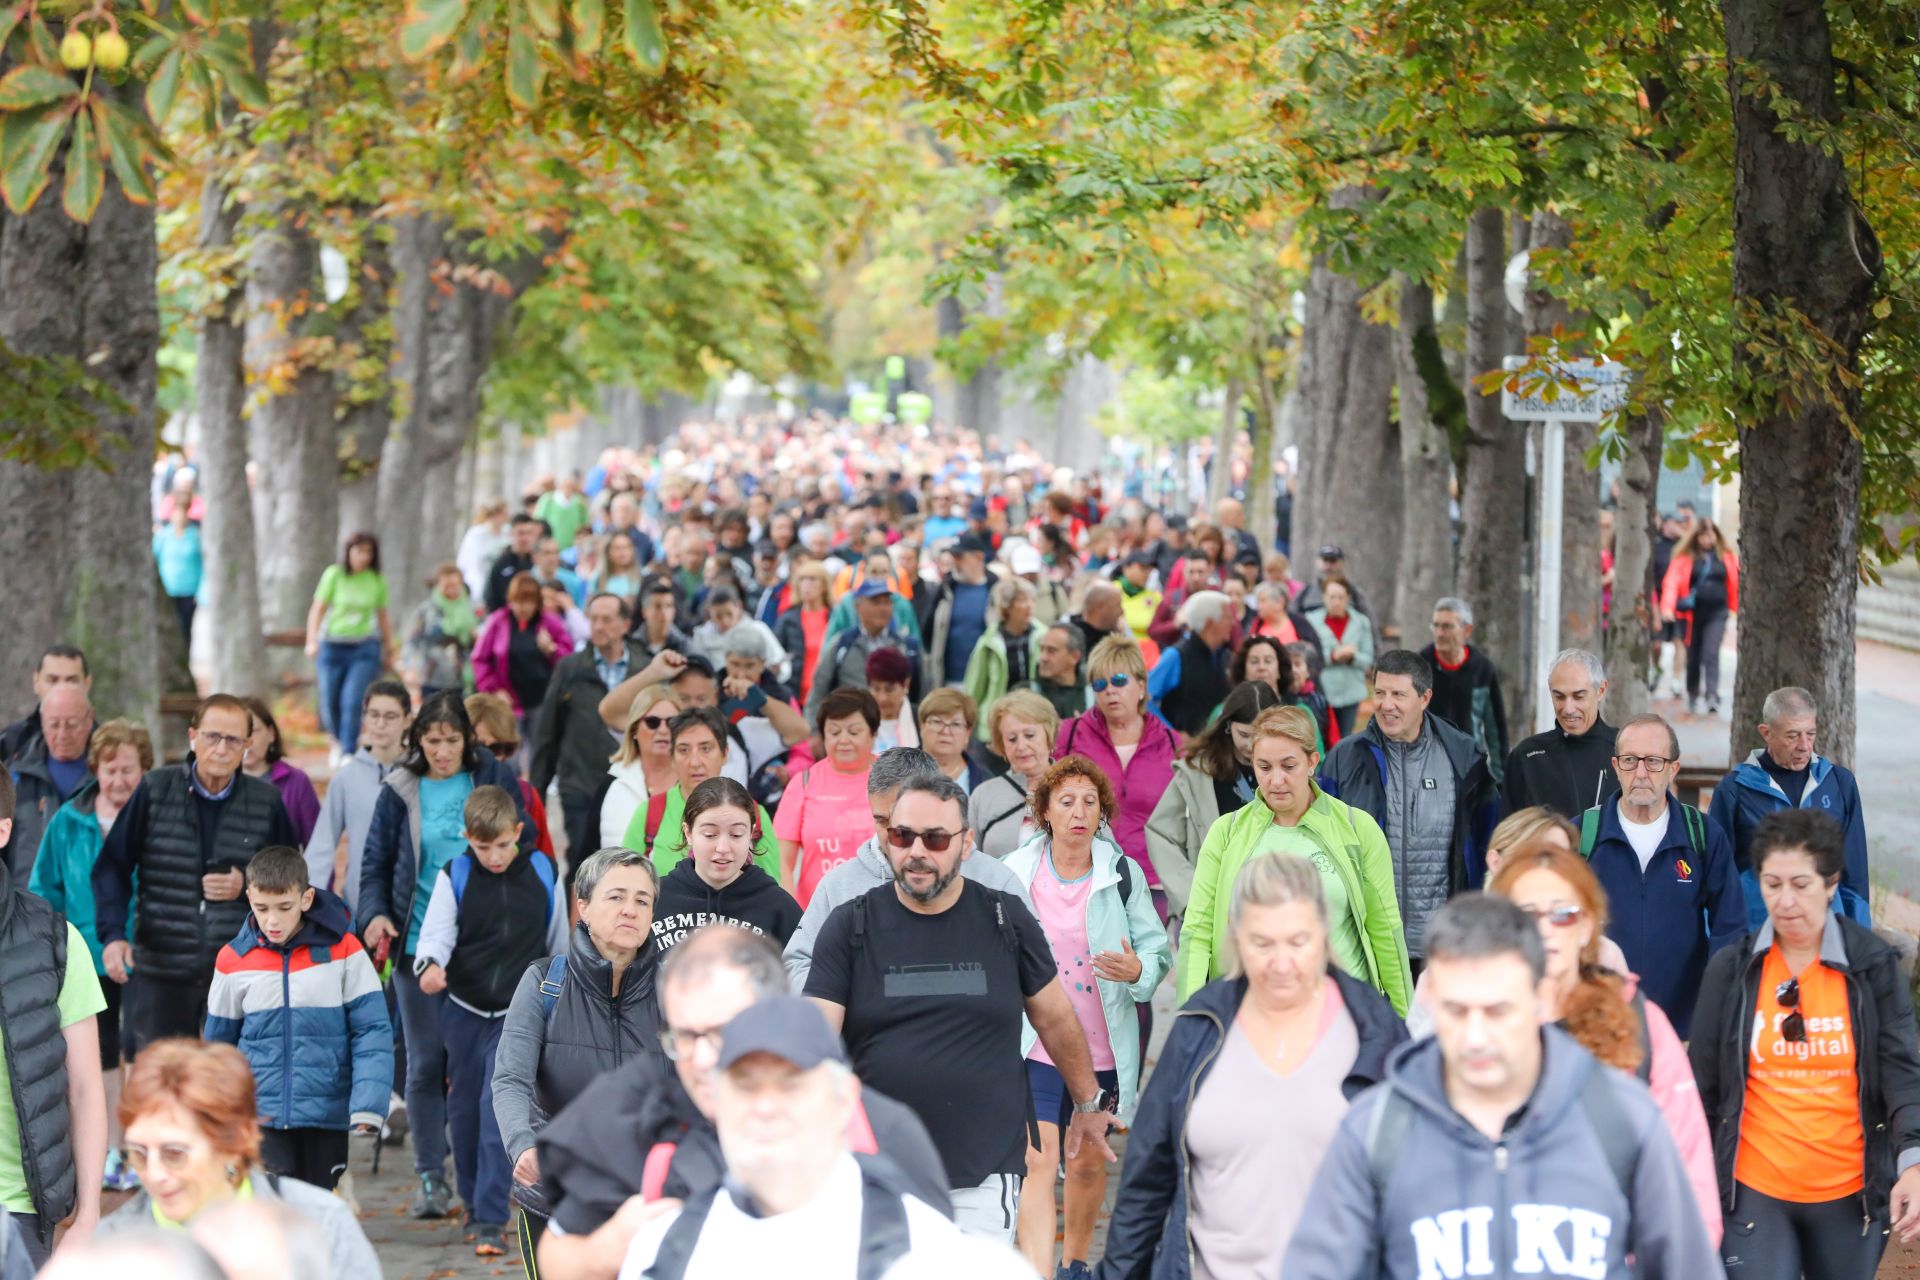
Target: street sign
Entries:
(1602, 388)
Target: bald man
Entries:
(49, 771)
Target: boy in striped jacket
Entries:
(296, 992)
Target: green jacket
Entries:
(843, 616)
(670, 843)
(1108, 921)
(63, 869)
(986, 677)
(1358, 850)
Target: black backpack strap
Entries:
(1126, 881)
(997, 820)
(1386, 1133)
(1639, 1004)
(884, 1238)
(676, 1247)
(1612, 1127)
(858, 937)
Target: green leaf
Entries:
(33, 86)
(589, 25)
(545, 16)
(85, 179)
(524, 72)
(200, 11)
(428, 25)
(164, 89)
(28, 140)
(9, 19)
(643, 35)
(121, 137)
(230, 52)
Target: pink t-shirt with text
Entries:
(1061, 906)
(826, 811)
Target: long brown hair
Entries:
(1596, 1013)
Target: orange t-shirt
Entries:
(1800, 1136)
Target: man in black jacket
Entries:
(517, 558)
(570, 741)
(1466, 685)
(647, 1132)
(1568, 768)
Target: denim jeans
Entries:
(479, 1154)
(344, 669)
(426, 1068)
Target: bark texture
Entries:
(1629, 640)
(1493, 549)
(1225, 438)
(366, 399)
(1426, 530)
(1800, 242)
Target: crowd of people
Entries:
(763, 852)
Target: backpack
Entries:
(656, 812)
(653, 1175)
(858, 938)
(460, 870)
(1696, 830)
(552, 982)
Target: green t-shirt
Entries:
(1343, 932)
(353, 601)
(80, 998)
(564, 516)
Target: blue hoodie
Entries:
(1749, 793)
(310, 1018)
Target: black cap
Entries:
(1177, 522)
(698, 664)
(788, 1027)
(970, 542)
(1246, 555)
(1331, 552)
(1137, 557)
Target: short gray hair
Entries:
(1641, 721)
(1589, 662)
(599, 863)
(715, 948)
(747, 641)
(941, 788)
(1271, 590)
(1076, 638)
(1008, 589)
(1479, 926)
(895, 767)
(1789, 703)
(1203, 609)
(1273, 880)
(1457, 607)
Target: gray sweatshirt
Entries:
(869, 870)
(348, 1249)
(348, 808)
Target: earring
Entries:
(233, 1174)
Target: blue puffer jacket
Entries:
(310, 1018)
(1749, 793)
(390, 867)
(1147, 1237)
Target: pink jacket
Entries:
(490, 653)
(1139, 786)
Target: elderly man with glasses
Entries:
(1672, 890)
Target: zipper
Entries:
(1503, 1246)
(286, 1038)
(1193, 1087)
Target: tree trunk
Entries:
(1493, 563)
(1804, 259)
(1220, 480)
(1629, 641)
(1426, 530)
(81, 537)
(1347, 495)
(367, 403)
(219, 386)
(296, 458)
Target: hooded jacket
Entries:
(595, 1154)
(310, 1018)
(1147, 1236)
(1656, 912)
(1139, 784)
(987, 669)
(1430, 865)
(1881, 1012)
(1109, 920)
(1749, 793)
(1468, 698)
(1356, 852)
(754, 901)
(63, 871)
(1541, 1200)
(491, 647)
(1568, 773)
(1177, 828)
(867, 870)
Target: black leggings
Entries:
(1770, 1239)
(1703, 655)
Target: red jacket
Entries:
(1680, 576)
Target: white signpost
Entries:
(1598, 388)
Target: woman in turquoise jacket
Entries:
(1112, 951)
(1295, 816)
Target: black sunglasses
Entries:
(1794, 1027)
(935, 839)
(656, 723)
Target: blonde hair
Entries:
(1291, 723)
(1273, 880)
(811, 569)
(1526, 826)
(1027, 705)
(643, 702)
(493, 714)
(1116, 655)
(946, 701)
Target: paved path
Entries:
(411, 1250)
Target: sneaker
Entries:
(492, 1239)
(434, 1199)
(1073, 1271)
(393, 1131)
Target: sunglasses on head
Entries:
(934, 839)
(1793, 1029)
(1118, 680)
(1558, 917)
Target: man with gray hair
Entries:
(1789, 773)
(869, 867)
(1058, 670)
(1466, 684)
(1190, 680)
(1568, 768)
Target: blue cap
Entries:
(788, 1027)
(872, 587)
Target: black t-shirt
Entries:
(933, 1015)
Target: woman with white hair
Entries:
(1008, 654)
(1190, 681)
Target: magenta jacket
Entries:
(1138, 787)
(490, 653)
(297, 794)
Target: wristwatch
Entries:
(1092, 1106)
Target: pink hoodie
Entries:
(490, 653)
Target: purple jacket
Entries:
(297, 794)
(1139, 786)
(490, 653)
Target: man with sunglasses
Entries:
(645, 1132)
(188, 831)
(1672, 890)
(928, 979)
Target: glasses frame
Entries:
(935, 839)
(1631, 764)
(1118, 680)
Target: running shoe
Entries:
(1073, 1271)
(491, 1241)
(434, 1199)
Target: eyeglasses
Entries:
(1118, 680)
(174, 1157)
(945, 724)
(656, 723)
(382, 717)
(1655, 764)
(680, 1042)
(1794, 1027)
(1558, 917)
(66, 726)
(934, 839)
(224, 741)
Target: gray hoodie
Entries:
(349, 1252)
(1541, 1202)
(869, 870)
(348, 808)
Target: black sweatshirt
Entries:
(754, 901)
